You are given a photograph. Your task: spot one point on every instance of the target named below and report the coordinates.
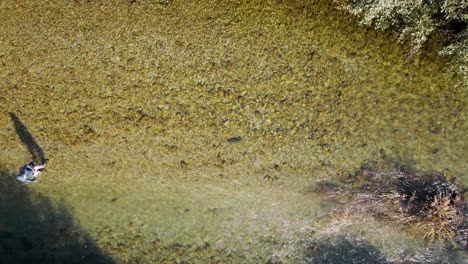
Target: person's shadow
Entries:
(35, 230)
(28, 140)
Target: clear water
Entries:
(195, 131)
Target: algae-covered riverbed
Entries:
(194, 131)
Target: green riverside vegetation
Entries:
(419, 21)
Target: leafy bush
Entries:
(418, 20)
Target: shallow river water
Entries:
(195, 132)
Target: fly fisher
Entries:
(29, 172)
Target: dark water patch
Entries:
(343, 249)
(34, 230)
(351, 249)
